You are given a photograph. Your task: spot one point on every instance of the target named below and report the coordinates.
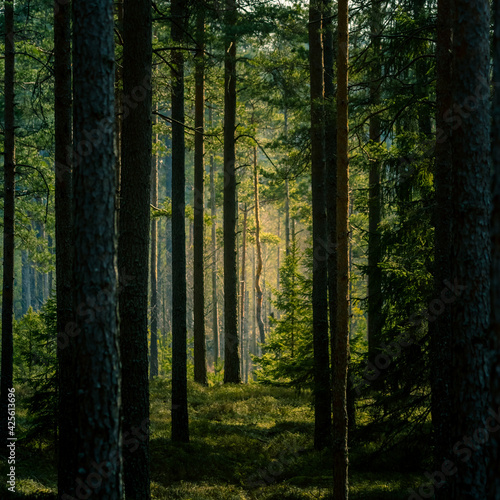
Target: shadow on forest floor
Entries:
(247, 442)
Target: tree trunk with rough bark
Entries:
(470, 259)
(340, 357)
(153, 267)
(440, 329)
(231, 341)
(374, 202)
(8, 221)
(322, 392)
(200, 350)
(180, 423)
(67, 412)
(213, 214)
(97, 369)
(258, 246)
(133, 241)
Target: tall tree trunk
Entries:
(341, 345)
(26, 300)
(213, 213)
(440, 329)
(493, 492)
(231, 348)
(374, 202)
(242, 291)
(33, 285)
(470, 241)
(200, 350)
(8, 221)
(322, 393)
(331, 174)
(64, 247)
(180, 423)
(133, 240)
(254, 304)
(258, 245)
(40, 277)
(118, 108)
(153, 358)
(97, 367)
(287, 216)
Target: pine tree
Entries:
(8, 221)
(64, 245)
(97, 370)
(471, 241)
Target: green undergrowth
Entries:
(246, 441)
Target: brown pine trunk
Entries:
(8, 222)
(494, 468)
(231, 341)
(97, 369)
(118, 107)
(213, 214)
(243, 333)
(64, 246)
(26, 300)
(322, 392)
(470, 259)
(133, 240)
(440, 329)
(180, 423)
(153, 359)
(340, 357)
(374, 204)
(258, 272)
(287, 216)
(200, 351)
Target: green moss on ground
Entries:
(247, 441)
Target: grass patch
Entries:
(247, 441)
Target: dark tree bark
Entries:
(26, 300)
(374, 202)
(340, 356)
(213, 213)
(118, 107)
(64, 246)
(97, 367)
(494, 468)
(243, 292)
(231, 341)
(322, 393)
(287, 217)
(331, 168)
(200, 350)
(153, 274)
(8, 221)
(258, 272)
(180, 424)
(470, 258)
(440, 329)
(32, 275)
(133, 240)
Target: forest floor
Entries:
(248, 441)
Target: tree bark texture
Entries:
(340, 355)
(180, 423)
(97, 368)
(200, 351)
(322, 392)
(64, 246)
(471, 240)
(231, 341)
